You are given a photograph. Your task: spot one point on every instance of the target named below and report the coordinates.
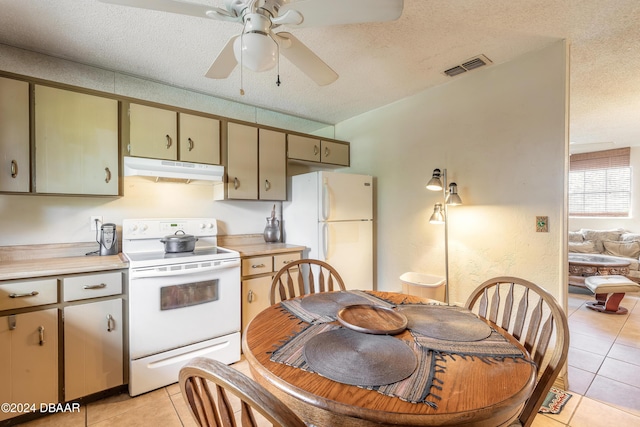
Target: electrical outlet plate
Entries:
(542, 224)
(93, 224)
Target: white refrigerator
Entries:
(331, 214)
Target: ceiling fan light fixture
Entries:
(255, 51)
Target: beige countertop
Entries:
(29, 268)
(254, 245)
(29, 261)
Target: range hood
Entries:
(172, 170)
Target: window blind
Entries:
(600, 183)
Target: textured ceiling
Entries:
(378, 63)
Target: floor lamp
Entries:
(438, 182)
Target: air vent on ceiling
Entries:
(471, 64)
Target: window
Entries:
(600, 184)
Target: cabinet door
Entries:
(152, 132)
(255, 298)
(303, 148)
(242, 162)
(76, 142)
(14, 135)
(272, 183)
(92, 347)
(199, 139)
(29, 358)
(335, 153)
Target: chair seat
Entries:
(610, 284)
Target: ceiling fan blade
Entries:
(303, 58)
(338, 12)
(179, 7)
(224, 63)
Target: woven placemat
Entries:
(354, 358)
(445, 322)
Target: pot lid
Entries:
(179, 237)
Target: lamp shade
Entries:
(257, 52)
(255, 49)
(452, 197)
(434, 183)
(438, 215)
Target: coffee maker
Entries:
(108, 239)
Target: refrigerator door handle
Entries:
(325, 201)
(325, 241)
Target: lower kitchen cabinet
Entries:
(28, 361)
(93, 358)
(257, 274)
(34, 344)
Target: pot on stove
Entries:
(174, 243)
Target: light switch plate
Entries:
(542, 224)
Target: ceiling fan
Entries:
(258, 46)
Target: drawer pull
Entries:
(287, 261)
(111, 323)
(28, 294)
(258, 266)
(250, 296)
(41, 333)
(14, 169)
(99, 286)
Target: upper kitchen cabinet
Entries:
(272, 165)
(152, 132)
(199, 139)
(256, 163)
(76, 142)
(242, 162)
(14, 135)
(315, 150)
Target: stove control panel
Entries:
(158, 228)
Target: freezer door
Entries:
(345, 197)
(348, 247)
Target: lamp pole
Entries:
(445, 189)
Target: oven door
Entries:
(178, 305)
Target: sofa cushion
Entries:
(576, 236)
(586, 247)
(599, 235)
(630, 237)
(623, 249)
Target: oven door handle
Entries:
(141, 273)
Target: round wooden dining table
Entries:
(471, 390)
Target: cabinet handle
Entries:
(236, 183)
(99, 286)
(267, 185)
(316, 150)
(41, 333)
(326, 151)
(250, 296)
(107, 174)
(257, 266)
(28, 294)
(169, 141)
(111, 323)
(14, 169)
(12, 321)
(191, 144)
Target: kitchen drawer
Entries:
(28, 293)
(92, 286)
(257, 265)
(281, 260)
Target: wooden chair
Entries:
(304, 270)
(194, 384)
(534, 321)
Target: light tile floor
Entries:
(604, 377)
